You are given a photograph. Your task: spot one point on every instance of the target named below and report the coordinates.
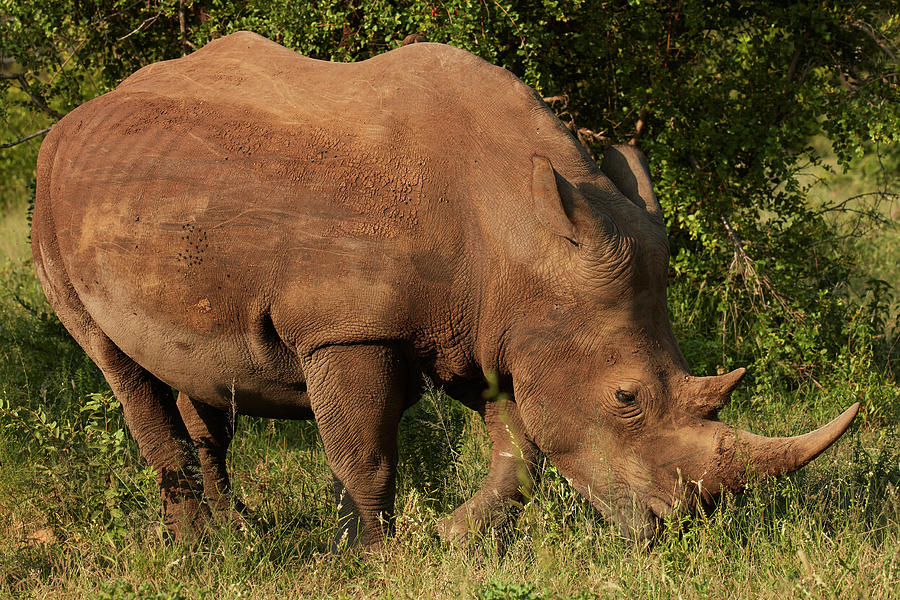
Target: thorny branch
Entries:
(35, 97)
(584, 135)
(744, 265)
(25, 139)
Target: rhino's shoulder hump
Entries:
(245, 68)
(456, 72)
(234, 61)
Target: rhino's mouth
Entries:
(643, 520)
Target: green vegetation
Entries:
(79, 513)
(772, 134)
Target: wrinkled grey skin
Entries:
(277, 236)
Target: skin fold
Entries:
(277, 236)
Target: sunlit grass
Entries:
(14, 234)
(832, 530)
(79, 512)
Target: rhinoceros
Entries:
(278, 236)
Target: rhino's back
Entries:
(219, 213)
(435, 101)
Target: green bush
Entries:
(498, 590)
(87, 462)
(725, 98)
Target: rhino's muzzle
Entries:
(712, 457)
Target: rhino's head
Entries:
(599, 379)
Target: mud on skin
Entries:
(313, 242)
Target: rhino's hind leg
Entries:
(357, 395)
(152, 418)
(148, 404)
(509, 481)
(211, 430)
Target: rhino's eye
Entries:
(625, 397)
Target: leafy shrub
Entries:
(123, 590)
(498, 590)
(85, 464)
(725, 99)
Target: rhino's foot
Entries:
(231, 512)
(509, 481)
(190, 521)
(185, 516)
(485, 512)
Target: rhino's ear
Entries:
(549, 207)
(626, 166)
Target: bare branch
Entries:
(694, 163)
(584, 135)
(551, 99)
(25, 139)
(842, 205)
(883, 44)
(639, 127)
(146, 23)
(35, 98)
(744, 265)
(181, 27)
(65, 62)
(511, 20)
(795, 59)
(584, 132)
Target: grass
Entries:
(78, 510)
(870, 186)
(14, 245)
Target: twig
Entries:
(511, 20)
(841, 206)
(582, 134)
(25, 139)
(639, 127)
(881, 43)
(65, 62)
(748, 272)
(806, 370)
(35, 98)
(145, 23)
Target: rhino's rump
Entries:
(196, 249)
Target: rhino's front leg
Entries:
(509, 481)
(357, 396)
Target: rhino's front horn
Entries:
(741, 455)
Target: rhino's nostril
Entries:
(659, 508)
(706, 502)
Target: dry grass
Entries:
(79, 513)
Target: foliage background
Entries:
(771, 131)
(729, 97)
